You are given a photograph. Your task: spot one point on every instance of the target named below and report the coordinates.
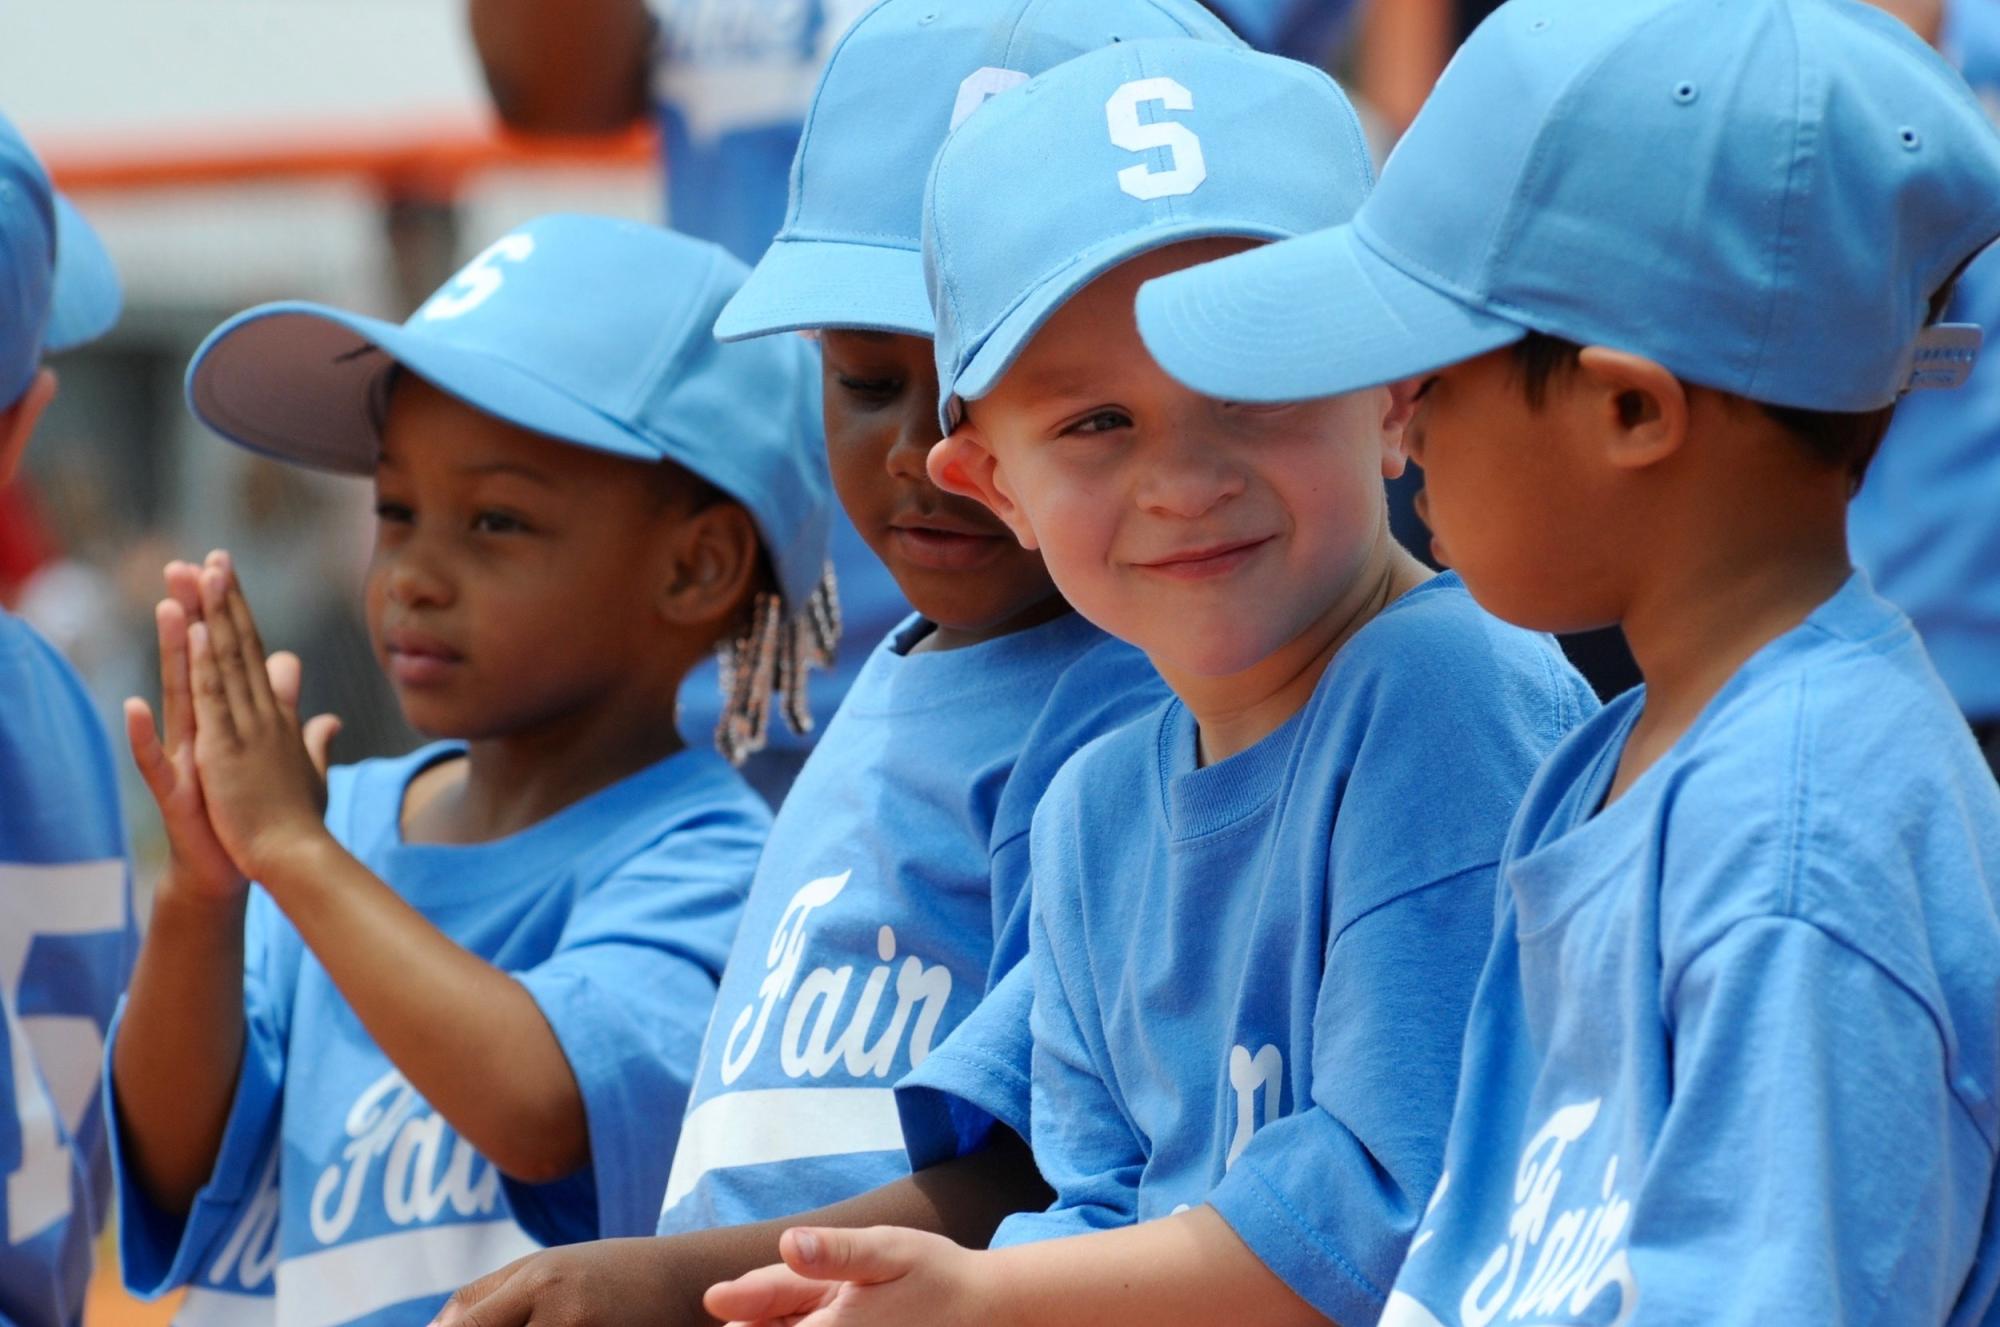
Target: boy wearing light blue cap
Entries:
(66, 945)
(889, 910)
(464, 1007)
(1736, 1054)
(1257, 913)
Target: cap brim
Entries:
(1315, 316)
(989, 364)
(300, 382)
(801, 285)
(87, 298)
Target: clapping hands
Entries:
(240, 782)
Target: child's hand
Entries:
(843, 1278)
(165, 755)
(263, 777)
(577, 1285)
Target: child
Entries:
(471, 998)
(66, 946)
(1258, 913)
(1735, 1056)
(891, 898)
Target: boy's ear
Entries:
(1641, 406)
(1400, 409)
(17, 422)
(964, 465)
(712, 560)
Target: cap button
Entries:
(1686, 93)
(1911, 139)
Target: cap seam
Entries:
(1805, 150)
(797, 174)
(689, 336)
(1540, 150)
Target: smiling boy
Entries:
(1258, 913)
(889, 913)
(1735, 1055)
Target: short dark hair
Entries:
(1843, 439)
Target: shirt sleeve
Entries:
(979, 1075)
(1329, 1196)
(1812, 1120)
(628, 993)
(158, 1252)
(1083, 1141)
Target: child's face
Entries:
(1515, 497)
(513, 578)
(1207, 533)
(955, 561)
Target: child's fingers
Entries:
(286, 676)
(170, 619)
(769, 1294)
(225, 649)
(865, 1257)
(319, 734)
(245, 625)
(183, 587)
(147, 754)
(205, 685)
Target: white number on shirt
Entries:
(1189, 168)
(55, 1058)
(480, 280)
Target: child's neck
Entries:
(1698, 617)
(508, 783)
(945, 637)
(1234, 713)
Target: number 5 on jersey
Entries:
(1189, 168)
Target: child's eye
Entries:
(1102, 421)
(873, 390)
(498, 522)
(393, 513)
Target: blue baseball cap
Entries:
(1761, 195)
(905, 75)
(1119, 152)
(59, 289)
(592, 331)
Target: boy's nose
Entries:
(1188, 479)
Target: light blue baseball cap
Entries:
(590, 330)
(905, 75)
(58, 288)
(1761, 195)
(1119, 152)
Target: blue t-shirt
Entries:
(66, 947)
(1736, 1055)
(889, 900)
(1923, 524)
(1251, 978)
(339, 1195)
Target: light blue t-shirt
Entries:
(66, 947)
(1251, 978)
(889, 900)
(339, 1195)
(1736, 1056)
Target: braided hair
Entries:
(771, 656)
